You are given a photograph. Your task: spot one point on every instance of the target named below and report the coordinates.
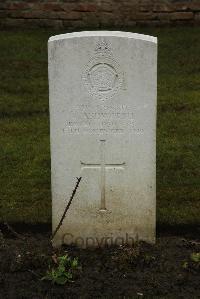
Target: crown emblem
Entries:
(103, 76)
(102, 48)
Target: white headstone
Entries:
(103, 87)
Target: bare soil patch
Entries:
(164, 270)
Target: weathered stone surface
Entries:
(163, 16)
(10, 23)
(146, 7)
(182, 16)
(102, 88)
(197, 18)
(182, 6)
(144, 16)
(195, 6)
(107, 7)
(71, 24)
(163, 7)
(44, 23)
(107, 13)
(89, 7)
(107, 18)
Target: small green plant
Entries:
(193, 263)
(64, 270)
(185, 265)
(195, 257)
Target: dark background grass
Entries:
(25, 194)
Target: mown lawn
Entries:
(24, 121)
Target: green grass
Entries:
(24, 136)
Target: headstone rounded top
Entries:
(102, 89)
(103, 33)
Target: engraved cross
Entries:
(102, 166)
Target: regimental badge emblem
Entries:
(103, 76)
